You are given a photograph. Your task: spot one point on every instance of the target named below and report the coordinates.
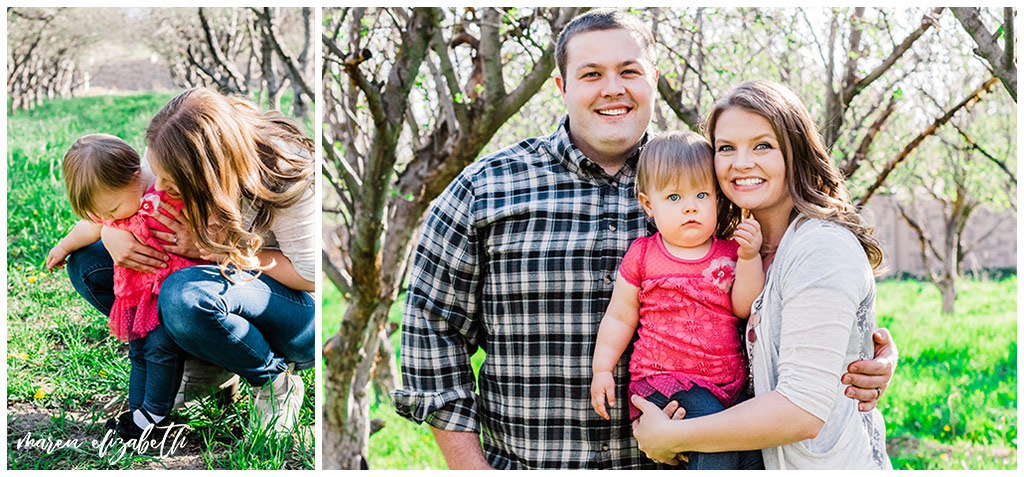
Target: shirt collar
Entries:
(575, 161)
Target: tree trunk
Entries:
(385, 368)
(947, 288)
(347, 384)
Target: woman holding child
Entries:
(244, 185)
(816, 313)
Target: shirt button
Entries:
(605, 448)
(587, 163)
(611, 227)
(607, 279)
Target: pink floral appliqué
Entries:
(149, 204)
(721, 272)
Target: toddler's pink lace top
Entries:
(134, 312)
(688, 334)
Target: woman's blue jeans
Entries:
(251, 328)
(156, 360)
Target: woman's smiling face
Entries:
(749, 163)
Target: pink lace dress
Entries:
(134, 312)
(688, 333)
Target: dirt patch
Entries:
(38, 423)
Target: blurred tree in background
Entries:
(257, 53)
(44, 49)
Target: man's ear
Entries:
(561, 84)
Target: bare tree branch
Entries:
(972, 98)
(213, 42)
(1001, 62)
(852, 89)
(975, 146)
(861, 154)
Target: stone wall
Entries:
(903, 250)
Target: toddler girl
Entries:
(105, 187)
(684, 287)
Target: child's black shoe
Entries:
(111, 423)
(126, 427)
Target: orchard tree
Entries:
(848, 65)
(45, 48)
(411, 97)
(957, 176)
(251, 52)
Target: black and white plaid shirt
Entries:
(518, 257)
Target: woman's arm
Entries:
(617, 327)
(768, 420)
(283, 271)
(126, 251)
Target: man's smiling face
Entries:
(609, 92)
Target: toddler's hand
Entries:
(602, 386)
(748, 235)
(55, 259)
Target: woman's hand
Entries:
(180, 240)
(128, 252)
(651, 430)
(868, 379)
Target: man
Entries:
(518, 257)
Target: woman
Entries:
(246, 180)
(769, 159)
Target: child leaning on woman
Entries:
(105, 187)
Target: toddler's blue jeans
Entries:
(700, 402)
(156, 361)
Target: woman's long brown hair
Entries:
(219, 150)
(815, 184)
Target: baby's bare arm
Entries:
(617, 327)
(749, 271)
(614, 334)
(84, 233)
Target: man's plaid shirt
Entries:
(518, 257)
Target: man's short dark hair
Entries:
(599, 20)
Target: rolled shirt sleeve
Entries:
(822, 288)
(440, 326)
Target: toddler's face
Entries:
(119, 203)
(685, 216)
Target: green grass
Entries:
(65, 374)
(952, 404)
